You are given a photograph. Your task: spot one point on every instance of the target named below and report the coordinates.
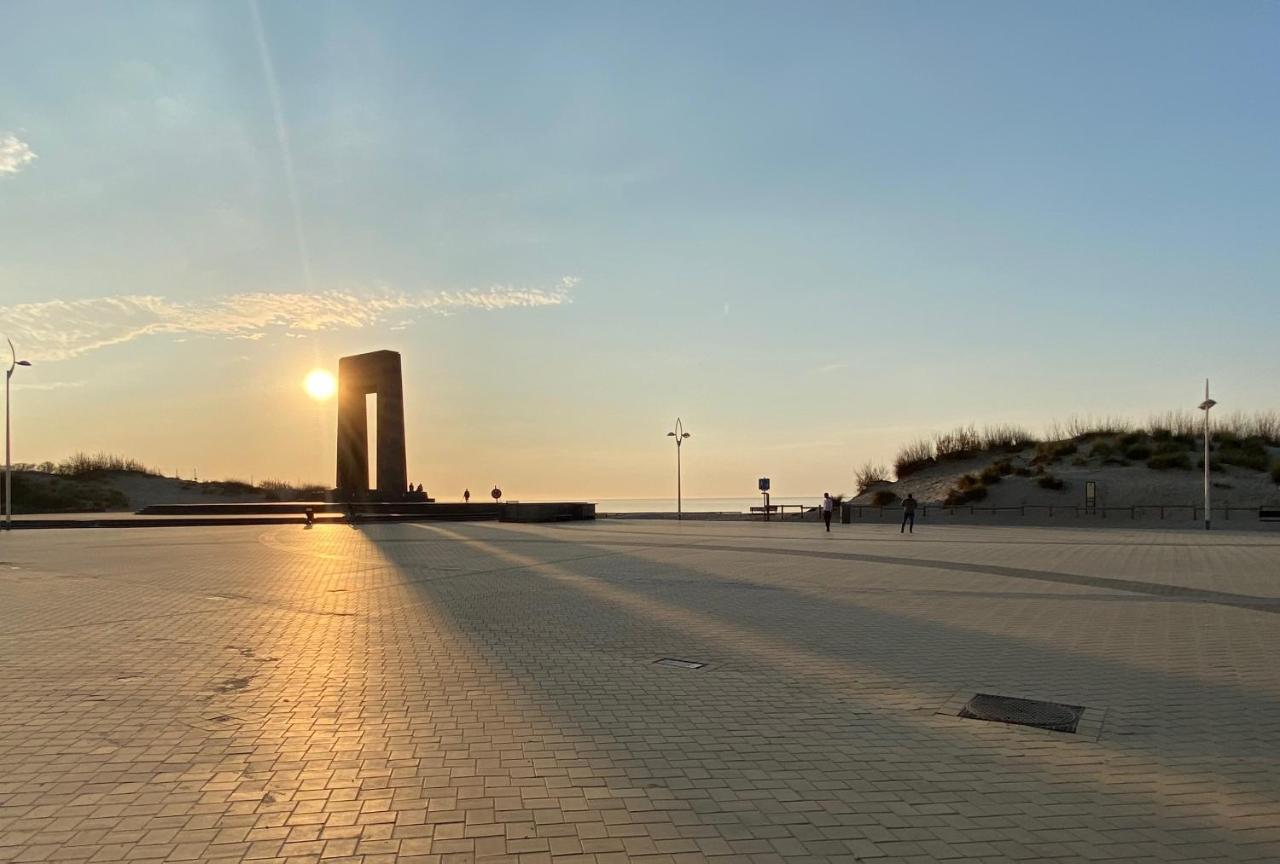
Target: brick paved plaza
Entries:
(484, 692)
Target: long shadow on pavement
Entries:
(580, 642)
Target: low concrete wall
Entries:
(547, 512)
(367, 509)
(243, 508)
(407, 511)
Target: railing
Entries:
(1190, 512)
(781, 509)
(860, 512)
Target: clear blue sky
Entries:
(812, 230)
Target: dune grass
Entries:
(884, 497)
(915, 456)
(87, 465)
(1165, 461)
(1241, 439)
(968, 489)
(63, 495)
(869, 475)
(96, 466)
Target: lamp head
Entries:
(24, 362)
(671, 434)
(685, 435)
(1207, 404)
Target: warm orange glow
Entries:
(320, 385)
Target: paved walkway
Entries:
(485, 692)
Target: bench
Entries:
(1269, 514)
(781, 509)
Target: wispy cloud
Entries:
(61, 329)
(15, 154)
(831, 367)
(49, 385)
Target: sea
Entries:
(697, 505)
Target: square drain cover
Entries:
(1023, 712)
(679, 664)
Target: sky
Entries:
(811, 231)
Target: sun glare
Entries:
(319, 384)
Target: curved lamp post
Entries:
(1205, 406)
(8, 462)
(679, 434)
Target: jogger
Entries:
(827, 506)
(908, 514)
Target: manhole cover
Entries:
(679, 664)
(1023, 712)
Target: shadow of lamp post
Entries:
(679, 435)
(8, 461)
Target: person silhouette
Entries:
(466, 496)
(828, 504)
(908, 514)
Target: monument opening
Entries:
(371, 417)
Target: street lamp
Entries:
(679, 435)
(1205, 406)
(8, 462)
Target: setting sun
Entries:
(319, 384)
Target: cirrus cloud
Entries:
(15, 154)
(62, 329)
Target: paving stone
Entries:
(480, 692)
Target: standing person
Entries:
(827, 506)
(908, 513)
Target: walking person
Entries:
(908, 514)
(827, 506)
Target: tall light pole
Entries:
(1205, 406)
(679, 434)
(8, 461)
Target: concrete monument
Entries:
(359, 375)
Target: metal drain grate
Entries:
(679, 664)
(1023, 712)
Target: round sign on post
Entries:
(496, 493)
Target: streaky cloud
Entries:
(63, 329)
(50, 385)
